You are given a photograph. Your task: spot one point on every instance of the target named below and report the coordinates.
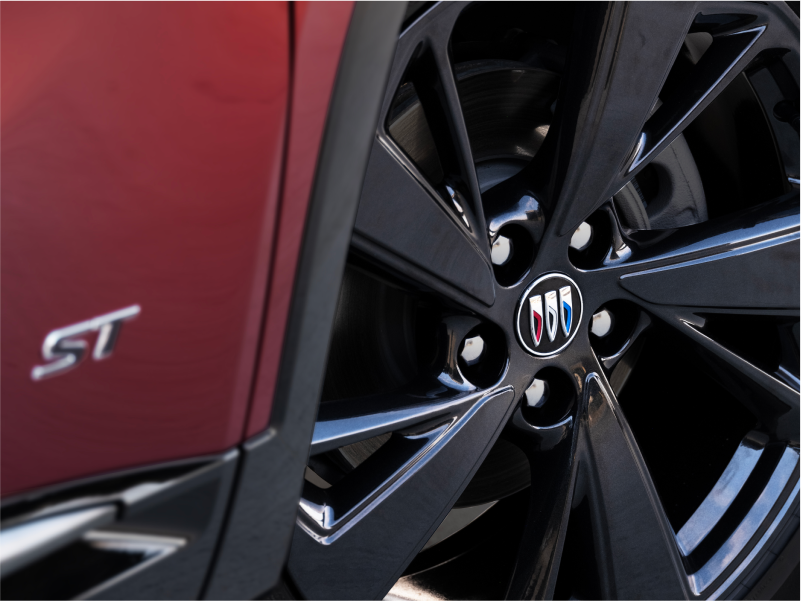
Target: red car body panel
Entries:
(143, 148)
(320, 29)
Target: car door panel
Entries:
(142, 154)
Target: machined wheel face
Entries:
(565, 361)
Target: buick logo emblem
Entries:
(555, 305)
(548, 314)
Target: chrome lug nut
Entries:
(501, 250)
(601, 323)
(473, 350)
(582, 236)
(537, 393)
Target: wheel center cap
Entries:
(549, 314)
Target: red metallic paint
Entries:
(142, 148)
(320, 29)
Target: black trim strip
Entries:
(256, 542)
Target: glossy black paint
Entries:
(441, 246)
(552, 458)
(381, 540)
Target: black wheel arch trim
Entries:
(261, 520)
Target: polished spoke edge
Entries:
(319, 520)
(759, 546)
(739, 539)
(332, 433)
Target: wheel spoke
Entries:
(399, 213)
(608, 125)
(422, 67)
(748, 261)
(551, 452)
(639, 558)
(609, 92)
(354, 539)
(773, 400)
(436, 87)
(742, 263)
(609, 361)
(721, 17)
(730, 52)
(344, 422)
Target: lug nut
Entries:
(601, 323)
(501, 251)
(537, 393)
(473, 350)
(582, 236)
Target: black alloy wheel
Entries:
(565, 360)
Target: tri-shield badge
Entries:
(535, 306)
(566, 308)
(550, 300)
